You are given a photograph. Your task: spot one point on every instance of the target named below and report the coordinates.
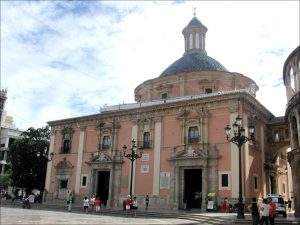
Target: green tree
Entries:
(29, 156)
(5, 179)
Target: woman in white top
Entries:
(86, 204)
(264, 212)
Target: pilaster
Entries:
(79, 159)
(262, 141)
(157, 145)
(49, 165)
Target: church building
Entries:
(177, 123)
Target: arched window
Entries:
(197, 40)
(292, 78)
(66, 147)
(105, 143)
(191, 41)
(193, 134)
(146, 140)
(295, 132)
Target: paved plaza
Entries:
(15, 216)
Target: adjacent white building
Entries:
(9, 133)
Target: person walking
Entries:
(272, 211)
(70, 201)
(86, 204)
(134, 206)
(98, 204)
(92, 202)
(289, 205)
(253, 208)
(147, 202)
(31, 198)
(264, 211)
(128, 204)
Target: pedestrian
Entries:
(70, 200)
(225, 205)
(92, 202)
(134, 206)
(25, 202)
(264, 211)
(86, 204)
(30, 199)
(147, 202)
(128, 204)
(98, 204)
(254, 212)
(290, 205)
(272, 211)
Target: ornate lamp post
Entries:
(237, 136)
(132, 156)
(43, 155)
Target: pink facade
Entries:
(186, 156)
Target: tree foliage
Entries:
(5, 179)
(29, 156)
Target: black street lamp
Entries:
(132, 156)
(238, 137)
(43, 155)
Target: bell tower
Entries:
(194, 36)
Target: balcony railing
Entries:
(145, 144)
(104, 147)
(193, 140)
(64, 150)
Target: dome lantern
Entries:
(194, 36)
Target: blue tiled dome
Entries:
(193, 62)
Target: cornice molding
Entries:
(160, 110)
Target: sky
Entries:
(62, 59)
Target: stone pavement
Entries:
(17, 215)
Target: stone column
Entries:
(92, 182)
(296, 186)
(79, 159)
(204, 187)
(262, 141)
(49, 165)
(246, 181)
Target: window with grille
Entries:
(66, 144)
(105, 142)
(164, 95)
(255, 183)
(83, 181)
(208, 90)
(146, 140)
(224, 180)
(193, 134)
(63, 184)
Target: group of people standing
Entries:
(131, 204)
(263, 213)
(92, 204)
(89, 204)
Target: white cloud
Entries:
(59, 61)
